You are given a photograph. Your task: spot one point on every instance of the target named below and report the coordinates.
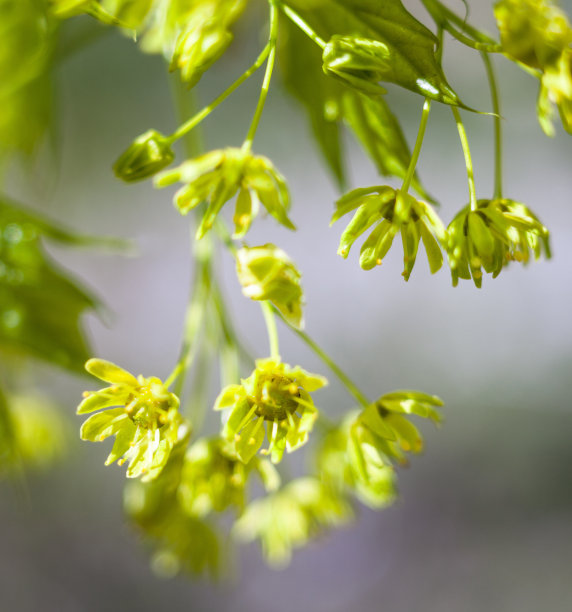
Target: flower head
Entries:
(359, 62)
(267, 273)
(290, 517)
(497, 232)
(537, 34)
(214, 478)
(140, 412)
(146, 155)
(274, 395)
(217, 176)
(391, 211)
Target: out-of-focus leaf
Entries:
(40, 305)
(379, 131)
(319, 94)
(28, 37)
(413, 61)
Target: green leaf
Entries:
(378, 130)
(300, 61)
(413, 61)
(40, 305)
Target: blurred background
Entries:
(484, 519)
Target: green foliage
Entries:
(40, 306)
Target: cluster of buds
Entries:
(267, 273)
(217, 176)
(276, 396)
(140, 412)
(391, 211)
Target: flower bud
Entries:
(267, 273)
(360, 62)
(146, 155)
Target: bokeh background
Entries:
(484, 519)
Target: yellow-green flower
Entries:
(360, 453)
(390, 211)
(216, 177)
(213, 478)
(140, 412)
(276, 396)
(537, 34)
(204, 36)
(290, 517)
(533, 32)
(497, 232)
(556, 90)
(267, 273)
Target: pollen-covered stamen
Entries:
(276, 397)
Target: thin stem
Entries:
(443, 15)
(202, 114)
(351, 387)
(498, 127)
(295, 18)
(417, 149)
(273, 36)
(194, 316)
(270, 320)
(467, 154)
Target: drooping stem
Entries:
(468, 160)
(445, 17)
(247, 145)
(270, 320)
(418, 144)
(202, 114)
(348, 383)
(194, 316)
(295, 18)
(497, 119)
